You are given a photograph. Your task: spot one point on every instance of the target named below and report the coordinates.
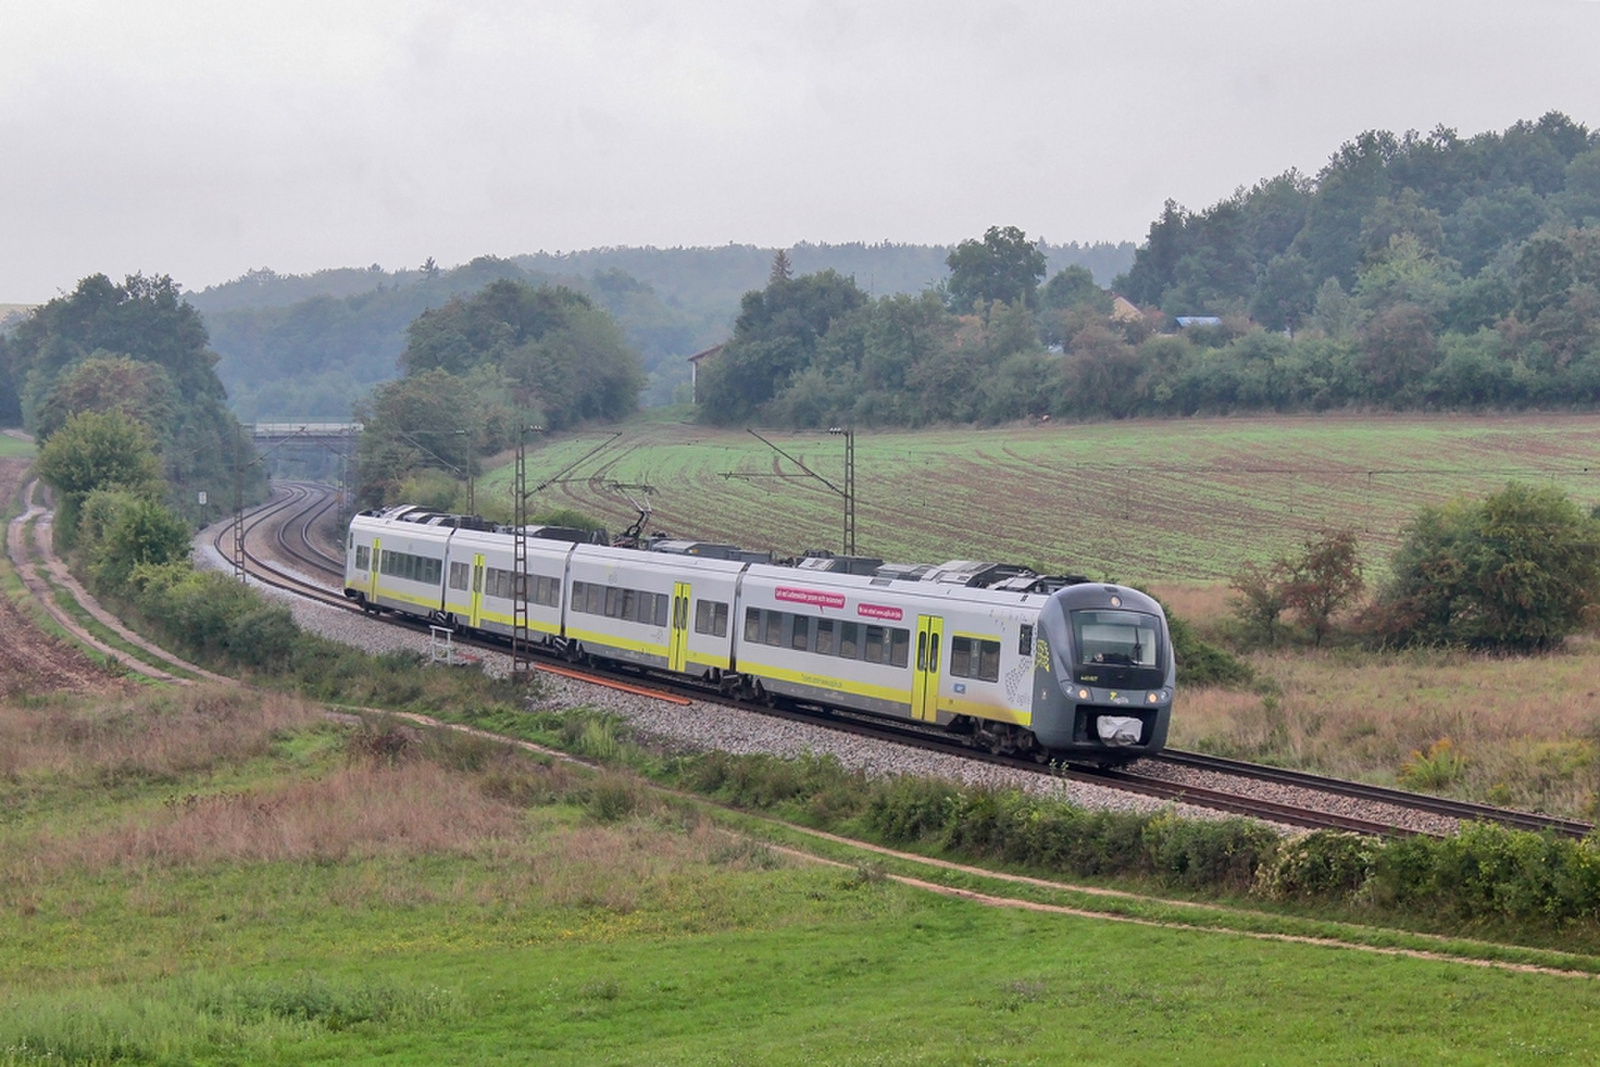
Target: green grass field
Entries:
(218, 877)
(1177, 500)
(11, 446)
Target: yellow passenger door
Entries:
(475, 613)
(925, 678)
(678, 641)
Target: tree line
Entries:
(312, 345)
(1414, 272)
(136, 355)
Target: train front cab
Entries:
(1103, 674)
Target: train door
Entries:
(372, 575)
(678, 641)
(925, 679)
(475, 613)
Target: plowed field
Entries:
(1179, 500)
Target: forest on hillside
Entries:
(312, 345)
(139, 353)
(1412, 272)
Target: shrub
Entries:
(1437, 769)
(1490, 873)
(1518, 571)
(1201, 853)
(1321, 864)
(1202, 663)
(905, 809)
(1320, 579)
(613, 797)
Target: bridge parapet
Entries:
(282, 431)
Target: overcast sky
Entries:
(204, 139)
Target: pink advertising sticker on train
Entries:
(814, 597)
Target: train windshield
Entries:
(1116, 638)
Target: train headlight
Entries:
(1156, 696)
(1083, 694)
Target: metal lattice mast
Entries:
(238, 504)
(521, 660)
(849, 492)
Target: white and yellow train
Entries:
(1057, 668)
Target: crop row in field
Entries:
(1177, 500)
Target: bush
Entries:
(906, 809)
(263, 637)
(1205, 853)
(1325, 864)
(1314, 583)
(1516, 571)
(1202, 663)
(1489, 873)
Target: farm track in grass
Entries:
(1185, 500)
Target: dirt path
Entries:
(32, 661)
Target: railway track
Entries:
(1461, 810)
(303, 505)
(1278, 795)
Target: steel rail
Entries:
(1465, 810)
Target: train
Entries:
(1056, 668)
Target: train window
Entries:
(711, 617)
(801, 638)
(899, 647)
(989, 661)
(613, 605)
(974, 657)
(460, 575)
(363, 558)
(1025, 640)
(876, 648)
(960, 656)
(850, 640)
(1128, 638)
(774, 631)
(752, 624)
(825, 637)
(594, 596)
(662, 600)
(352, 542)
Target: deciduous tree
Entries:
(1003, 266)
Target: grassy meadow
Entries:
(12, 446)
(216, 876)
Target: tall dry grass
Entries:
(390, 793)
(1523, 731)
(155, 736)
(357, 812)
